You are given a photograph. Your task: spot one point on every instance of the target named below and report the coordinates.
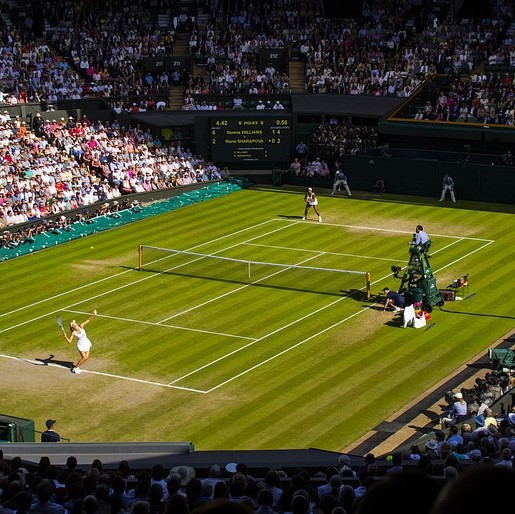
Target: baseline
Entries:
(110, 375)
(391, 230)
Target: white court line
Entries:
(161, 324)
(391, 230)
(300, 343)
(141, 381)
(110, 277)
(489, 242)
(323, 253)
(131, 379)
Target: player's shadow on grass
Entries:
(50, 360)
(289, 217)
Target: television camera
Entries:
(396, 270)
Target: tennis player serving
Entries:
(83, 342)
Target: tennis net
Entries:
(297, 277)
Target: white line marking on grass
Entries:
(375, 229)
(161, 324)
(131, 379)
(130, 284)
(287, 350)
(322, 252)
(464, 256)
(447, 246)
(31, 305)
(141, 381)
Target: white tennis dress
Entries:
(83, 343)
(311, 199)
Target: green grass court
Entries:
(236, 356)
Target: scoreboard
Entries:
(240, 139)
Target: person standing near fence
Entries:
(340, 179)
(311, 201)
(50, 435)
(447, 185)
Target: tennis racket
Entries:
(59, 322)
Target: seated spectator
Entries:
(295, 167)
(44, 502)
(457, 413)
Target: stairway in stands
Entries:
(181, 48)
(297, 74)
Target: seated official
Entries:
(420, 238)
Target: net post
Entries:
(368, 286)
(140, 257)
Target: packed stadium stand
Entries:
(106, 103)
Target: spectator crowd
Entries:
(100, 49)
(418, 479)
(58, 166)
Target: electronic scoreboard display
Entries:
(239, 139)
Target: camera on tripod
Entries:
(396, 270)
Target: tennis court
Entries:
(238, 302)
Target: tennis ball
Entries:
(92, 247)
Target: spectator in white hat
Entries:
(457, 413)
